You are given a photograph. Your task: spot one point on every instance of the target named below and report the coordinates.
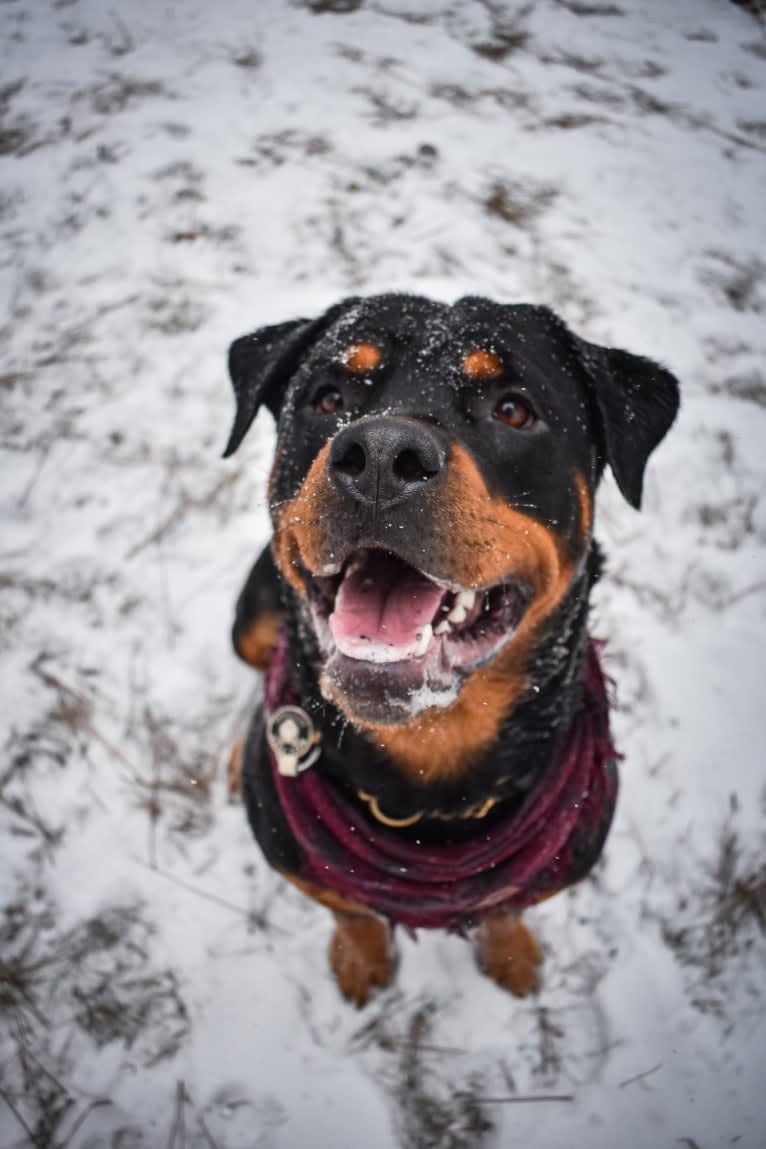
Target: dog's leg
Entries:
(509, 953)
(360, 955)
(361, 951)
(258, 613)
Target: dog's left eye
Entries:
(515, 412)
(328, 401)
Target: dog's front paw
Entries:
(510, 954)
(360, 956)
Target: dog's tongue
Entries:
(382, 609)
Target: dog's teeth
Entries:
(424, 640)
(442, 627)
(465, 600)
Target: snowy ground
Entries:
(173, 176)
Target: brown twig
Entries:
(177, 1135)
(523, 1100)
(215, 898)
(17, 1115)
(640, 1076)
(206, 1132)
(99, 1103)
(83, 718)
(738, 596)
(32, 818)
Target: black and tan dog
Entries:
(434, 749)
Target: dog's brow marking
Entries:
(481, 364)
(360, 357)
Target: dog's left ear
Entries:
(637, 401)
(261, 365)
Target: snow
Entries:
(172, 177)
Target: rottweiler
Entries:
(433, 748)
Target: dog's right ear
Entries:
(261, 365)
(258, 365)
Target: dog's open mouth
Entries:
(396, 638)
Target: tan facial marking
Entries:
(481, 364)
(360, 357)
(492, 541)
(586, 506)
(296, 537)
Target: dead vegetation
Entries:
(721, 922)
(119, 90)
(517, 204)
(95, 980)
(509, 31)
(432, 1115)
(15, 130)
(741, 282)
(333, 7)
(439, 1104)
(584, 8)
(756, 8)
(432, 1109)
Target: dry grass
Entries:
(722, 921)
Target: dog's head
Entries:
(433, 484)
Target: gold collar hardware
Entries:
(479, 810)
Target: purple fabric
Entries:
(515, 862)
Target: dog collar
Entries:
(296, 745)
(479, 810)
(546, 844)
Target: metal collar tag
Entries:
(293, 739)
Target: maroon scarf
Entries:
(543, 846)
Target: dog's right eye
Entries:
(328, 401)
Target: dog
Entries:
(433, 749)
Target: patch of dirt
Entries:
(275, 149)
(741, 282)
(509, 32)
(517, 204)
(119, 91)
(750, 386)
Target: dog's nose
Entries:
(384, 459)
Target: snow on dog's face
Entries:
(433, 483)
